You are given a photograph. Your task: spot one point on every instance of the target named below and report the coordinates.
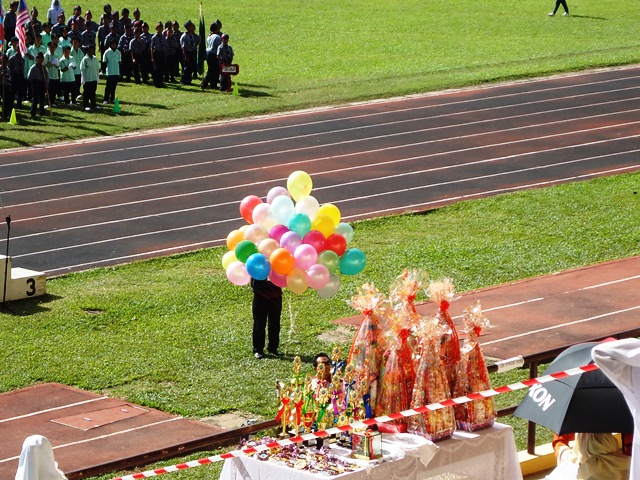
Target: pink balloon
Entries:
(315, 239)
(277, 279)
(275, 192)
(318, 276)
(290, 241)
(237, 273)
(277, 232)
(305, 256)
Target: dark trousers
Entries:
(38, 91)
(54, 90)
(213, 71)
(171, 68)
(225, 82)
(89, 94)
(564, 5)
(110, 88)
(18, 91)
(158, 69)
(189, 68)
(139, 69)
(126, 67)
(68, 89)
(266, 311)
(7, 102)
(76, 86)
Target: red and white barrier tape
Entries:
(369, 422)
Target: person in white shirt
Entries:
(620, 361)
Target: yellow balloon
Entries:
(299, 184)
(323, 224)
(227, 258)
(234, 237)
(331, 211)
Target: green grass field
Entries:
(294, 54)
(184, 346)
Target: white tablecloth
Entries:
(489, 454)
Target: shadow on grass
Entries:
(249, 93)
(28, 306)
(588, 17)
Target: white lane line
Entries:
(448, 200)
(339, 108)
(102, 437)
(605, 284)
(225, 148)
(338, 202)
(212, 243)
(562, 325)
(52, 409)
(348, 155)
(541, 299)
(326, 172)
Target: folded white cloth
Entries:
(37, 462)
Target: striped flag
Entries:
(21, 20)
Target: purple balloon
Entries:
(290, 241)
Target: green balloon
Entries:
(245, 249)
(329, 259)
(300, 223)
(352, 261)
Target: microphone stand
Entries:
(6, 261)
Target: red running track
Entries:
(110, 201)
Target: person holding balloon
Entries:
(267, 308)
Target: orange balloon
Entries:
(234, 237)
(281, 261)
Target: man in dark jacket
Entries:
(267, 307)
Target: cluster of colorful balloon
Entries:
(295, 245)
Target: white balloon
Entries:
(331, 288)
(308, 205)
(256, 233)
(345, 230)
(263, 215)
(282, 209)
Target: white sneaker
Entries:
(565, 14)
(87, 109)
(552, 14)
(105, 103)
(79, 97)
(97, 107)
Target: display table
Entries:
(489, 454)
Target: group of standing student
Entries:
(61, 57)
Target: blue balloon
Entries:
(258, 266)
(352, 261)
